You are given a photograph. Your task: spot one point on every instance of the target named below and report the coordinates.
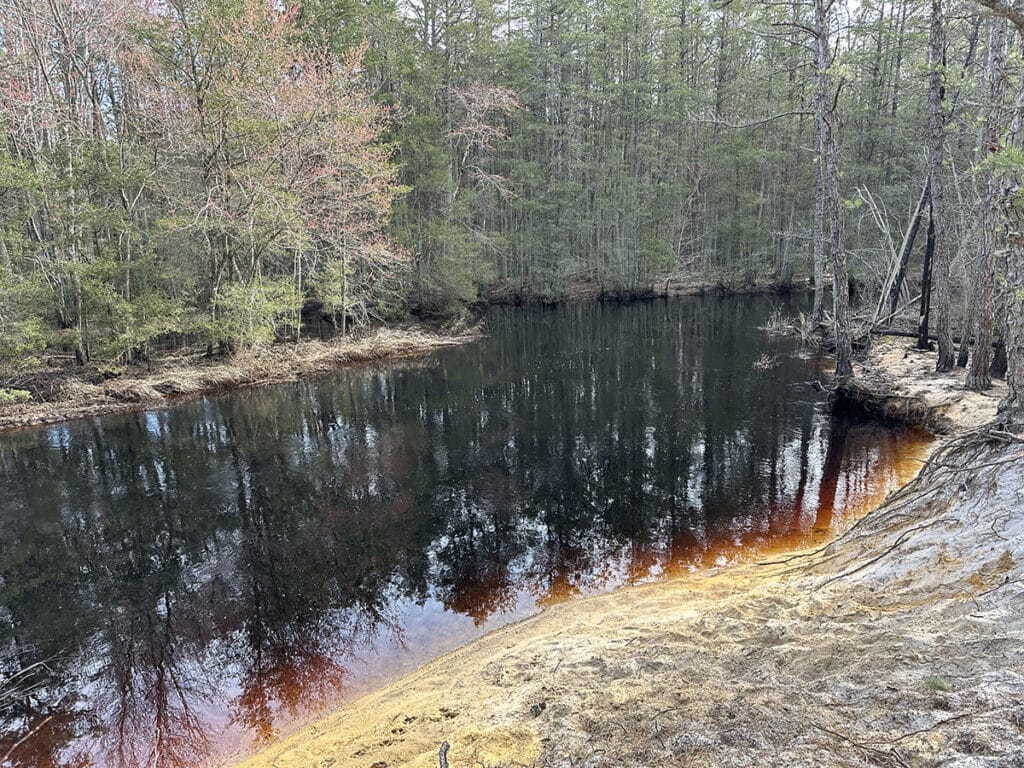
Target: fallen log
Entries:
(912, 335)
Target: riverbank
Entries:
(57, 393)
(63, 394)
(899, 382)
(899, 644)
(692, 285)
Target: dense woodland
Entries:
(197, 185)
(215, 172)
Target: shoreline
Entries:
(898, 382)
(748, 664)
(742, 565)
(83, 392)
(171, 381)
(586, 290)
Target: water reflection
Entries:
(186, 583)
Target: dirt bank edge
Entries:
(897, 381)
(177, 380)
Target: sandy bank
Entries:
(900, 381)
(72, 396)
(899, 644)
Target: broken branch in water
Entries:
(26, 737)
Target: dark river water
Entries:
(179, 586)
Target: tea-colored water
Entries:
(179, 586)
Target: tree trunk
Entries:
(825, 117)
(821, 106)
(840, 274)
(926, 285)
(978, 375)
(998, 368)
(1012, 406)
(964, 354)
(936, 150)
(905, 250)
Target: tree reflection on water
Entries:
(198, 578)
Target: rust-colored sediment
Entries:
(467, 698)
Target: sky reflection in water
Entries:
(199, 578)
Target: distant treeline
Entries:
(207, 168)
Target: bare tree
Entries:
(827, 160)
(1013, 405)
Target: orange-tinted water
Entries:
(182, 586)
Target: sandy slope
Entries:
(910, 373)
(901, 644)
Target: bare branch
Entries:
(1008, 12)
(753, 123)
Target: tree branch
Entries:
(754, 123)
(1008, 12)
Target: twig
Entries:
(23, 739)
(797, 556)
(898, 543)
(753, 123)
(939, 724)
(1003, 583)
(887, 755)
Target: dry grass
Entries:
(175, 379)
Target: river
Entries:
(188, 583)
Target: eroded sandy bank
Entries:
(899, 644)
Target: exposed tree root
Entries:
(878, 398)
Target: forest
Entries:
(220, 172)
(507, 383)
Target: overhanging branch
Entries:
(1008, 12)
